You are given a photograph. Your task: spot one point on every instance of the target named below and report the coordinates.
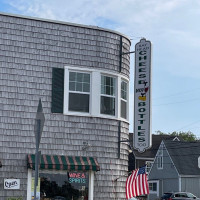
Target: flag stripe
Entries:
(136, 183)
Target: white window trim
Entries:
(160, 156)
(127, 96)
(90, 185)
(157, 189)
(116, 93)
(95, 93)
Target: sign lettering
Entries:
(142, 96)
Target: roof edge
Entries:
(65, 23)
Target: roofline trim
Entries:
(65, 23)
(188, 176)
(144, 158)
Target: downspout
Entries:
(119, 138)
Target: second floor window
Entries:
(79, 92)
(124, 99)
(160, 159)
(107, 95)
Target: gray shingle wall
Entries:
(29, 49)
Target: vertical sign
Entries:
(142, 96)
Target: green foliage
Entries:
(187, 136)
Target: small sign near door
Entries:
(11, 184)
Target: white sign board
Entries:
(12, 184)
(142, 96)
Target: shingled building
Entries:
(82, 78)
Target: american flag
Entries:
(136, 183)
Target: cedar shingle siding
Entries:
(30, 49)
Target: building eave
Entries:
(66, 23)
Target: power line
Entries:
(177, 102)
(188, 125)
(176, 94)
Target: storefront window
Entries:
(69, 186)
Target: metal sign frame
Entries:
(142, 96)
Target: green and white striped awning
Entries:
(70, 163)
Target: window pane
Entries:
(86, 87)
(123, 109)
(108, 90)
(79, 87)
(72, 86)
(79, 77)
(154, 186)
(150, 186)
(78, 102)
(107, 105)
(86, 78)
(72, 76)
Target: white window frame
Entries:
(95, 93)
(157, 187)
(160, 159)
(124, 100)
(110, 96)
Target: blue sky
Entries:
(172, 26)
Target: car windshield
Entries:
(190, 195)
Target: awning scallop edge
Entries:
(60, 162)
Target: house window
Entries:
(160, 159)
(89, 92)
(153, 186)
(148, 166)
(107, 95)
(124, 99)
(79, 92)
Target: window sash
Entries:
(79, 102)
(124, 90)
(107, 105)
(108, 85)
(79, 81)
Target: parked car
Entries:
(178, 196)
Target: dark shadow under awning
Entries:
(71, 163)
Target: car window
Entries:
(190, 195)
(183, 195)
